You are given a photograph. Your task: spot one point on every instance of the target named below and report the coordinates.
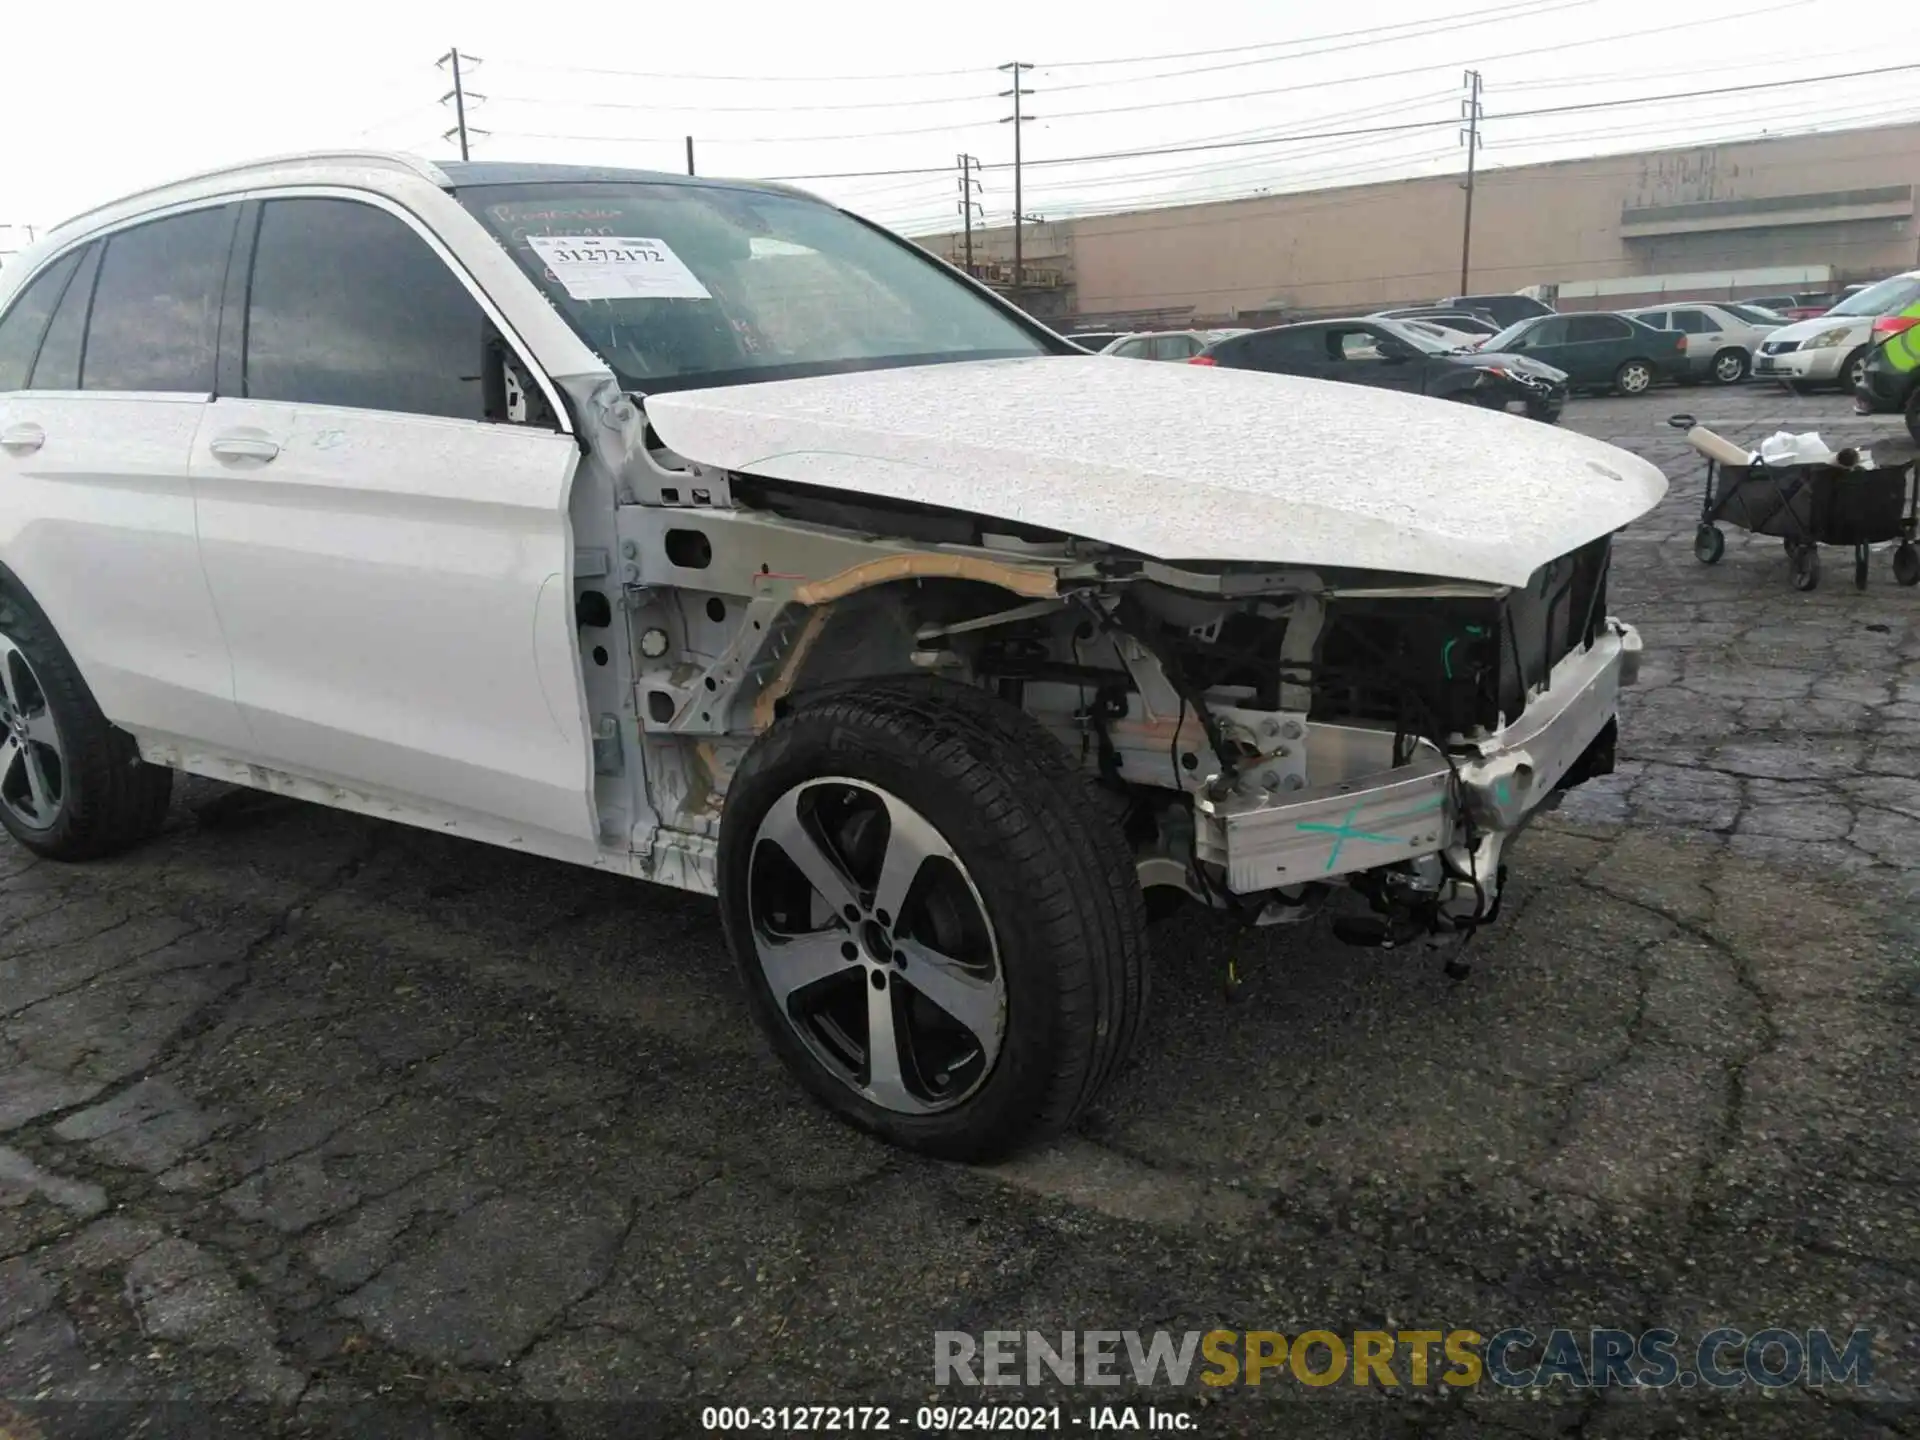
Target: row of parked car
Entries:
(1514, 352)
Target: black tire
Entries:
(1806, 567)
(1862, 558)
(1709, 545)
(1853, 370)
(109, 799)
(1634, 377)
(1913, 414)
(1906, 566)
(1731, 366)
(1053, 872)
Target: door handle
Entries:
(243, 447)
(22, 439)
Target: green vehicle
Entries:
(1598, 351)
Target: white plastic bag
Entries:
(1783, 448)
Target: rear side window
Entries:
(27, 319)
(348, 306)
(1658, 319)
(156, 308)
(1596, 327)
(58, 367)
(1694, 322)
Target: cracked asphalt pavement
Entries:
(376, 1132)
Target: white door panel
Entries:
(380, 579)
(97, 520)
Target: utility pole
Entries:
(968, 185)
(1017, 68)
(1470, 108)
(459, 95)
(689, 155)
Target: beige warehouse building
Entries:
(1806, 212)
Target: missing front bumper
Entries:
(1367, 814)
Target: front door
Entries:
(392, 568)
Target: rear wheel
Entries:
(940, 926)
(1709, 544)
(72, 787)
(1806, 567)
(1730, 367)
(1913, 414)
(1635, 377)
(1906, 565)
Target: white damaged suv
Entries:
(705, 533)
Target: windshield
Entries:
(1504, 340)
(1882, 299)
(680, 285)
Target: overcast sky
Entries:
(95, 105)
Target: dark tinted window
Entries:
(58, 367)
(1547, 332)
(156, 308)
(1596, 327)
(27, 321)
(350, 307)
(1658, 319)
(1275, 349)
(1694, 322)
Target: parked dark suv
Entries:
(1393, 356)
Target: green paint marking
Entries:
(1345, 830)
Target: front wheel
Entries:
(939, 925)
(1730, 367)
(1709, 544)
(1913, 414)
(1635, 377)
(72, 787)
(1906, 565)
(1806, 567)
(1853, 374)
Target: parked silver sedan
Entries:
(1721, 338)
(1165, 344)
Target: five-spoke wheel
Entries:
(936, 914)
(33, 766)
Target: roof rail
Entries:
(389, 159)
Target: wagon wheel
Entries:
(1906, 564)
(1806, 567)
(1861, 555)
(1709, 544)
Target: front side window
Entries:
(349, 306)
(1693, 322)
(677, 286)
(156, 306)
(26, 321)
(1658, 319)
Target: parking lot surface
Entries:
(308, 1110)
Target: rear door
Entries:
(392, 567)
(94, 448)
(1594, 346)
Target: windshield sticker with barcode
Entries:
(617, 267)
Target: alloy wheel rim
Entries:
(33, 761)
(1730, 367)
(1634, 381)
(876, 946)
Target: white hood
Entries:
(1185, 462)
(1805, 330)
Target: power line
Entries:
(1421, 69)
(1529, 10)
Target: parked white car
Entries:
(695, 531)
(1181, 345)
(1830, 350)
(1721, 341)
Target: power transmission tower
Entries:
(1017, 68)
(969, 165)
(1470, 108)
(460, 95)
